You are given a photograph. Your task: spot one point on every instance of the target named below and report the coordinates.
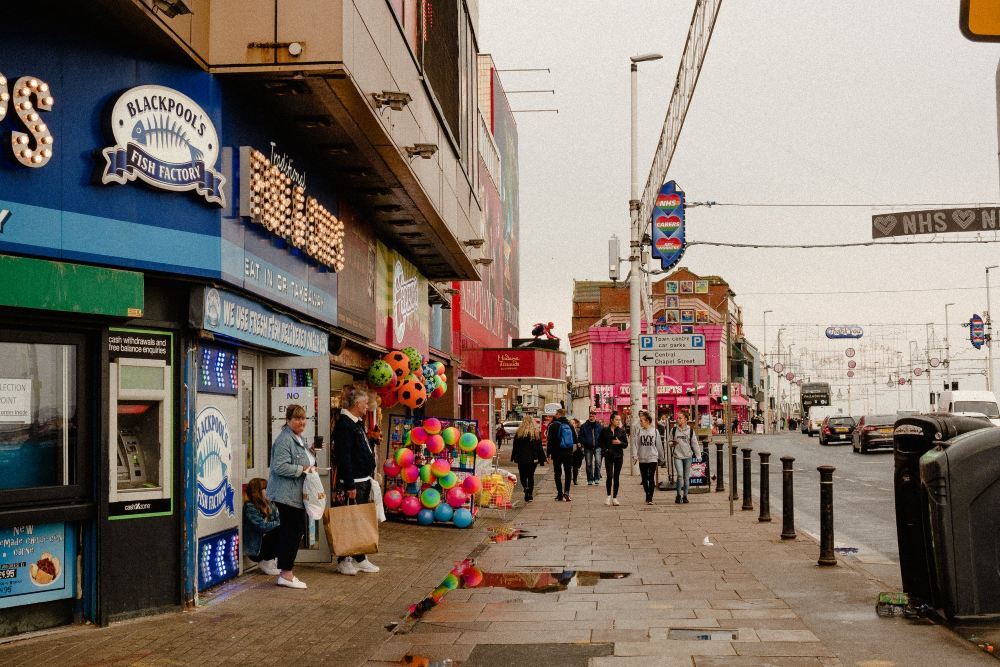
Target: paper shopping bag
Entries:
(351, 530)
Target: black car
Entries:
(873, 432)
(836, 429)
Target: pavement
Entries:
(586, 585)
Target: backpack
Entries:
(565, 436)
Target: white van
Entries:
(817, 414)
(971, 403)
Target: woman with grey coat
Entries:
(686, 447)
(648, 453)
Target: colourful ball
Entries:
(418, 435)
(439, 368)
(387, 397)
(425, 517)
(432, 425)
(399, 362)
(467, 443)
(390, 468)
(380, 373)
(416, 361)
(410, 474)
(410, 505)
(473, 577)
(426, 474)
(448, 481)
(435, 444)
(450, 582)
(412, 393)
(438, 593)
(443, 512)
(393, 499)
(451, 436)
(439, 390)
(457, 497)
(440, 467)
(430, 498)
(404, 457)
(462, 518)
(472, 485)
(486, 449)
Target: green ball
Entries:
(467, 443)
(379, 374)
(448, 481)
(450, 582)
(416, 359)
(430, 498)
(426, 475)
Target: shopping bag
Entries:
(313, 496)
(351, 529)
(377, 497)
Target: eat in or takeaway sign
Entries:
(937, 221)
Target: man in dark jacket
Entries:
(560, 446)
(355, 457)
(590, 431)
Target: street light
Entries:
(635, 254)
(947, 346)
(989, 331)
(767, 378)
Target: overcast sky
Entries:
(799, 101)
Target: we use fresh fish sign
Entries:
(166, 139)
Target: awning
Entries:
(513, 366)
(739, 401)
(689, 400)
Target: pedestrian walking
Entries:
(260, 523)
(686, 447)
(355, 455)
(560, 440)
(613, 443)
(590, 434)
(527, 453)
(648, 453)
(500, 436)
(290, 461)
(577, 452)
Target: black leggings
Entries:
(527, 471)
(613, 465)
(648, 473)
(289, 534)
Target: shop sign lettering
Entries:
(508, 361)
(15, 401)
(30, 95)
(405, 299)
(243, 319)
(214, 463)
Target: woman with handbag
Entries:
(290, 461)
(648, 453)
(686, 446)
(355, 465)
(613, 442)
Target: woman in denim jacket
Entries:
(290, 461)
(260, 521)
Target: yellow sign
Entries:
(980, 20)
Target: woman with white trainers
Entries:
(355, 456)
(686, 447)
(648, 453)
(290, 461)
(613, 442)
(260, 527)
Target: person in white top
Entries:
(648, 453)
(686, 447)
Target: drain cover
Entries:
(703, 634)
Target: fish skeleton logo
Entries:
(164, 138)
(214, 453)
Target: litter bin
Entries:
(913, 436)
(962, 480)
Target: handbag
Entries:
(313, 496)
(351, 529)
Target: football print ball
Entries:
(399, 362)
(380, 374)
(412, 393)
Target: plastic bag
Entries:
(313, 495)
(377, 499)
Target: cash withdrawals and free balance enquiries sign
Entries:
(668, 226)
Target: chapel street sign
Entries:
(936, 221)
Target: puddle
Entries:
(703, 634)
(845, 550)
(509, 534)
(546, 582)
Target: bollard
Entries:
(787, 499)
(720, 485)
(765, 487)
(747, 494)
(733, 495)
(826, 554)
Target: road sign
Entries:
(682, 357)
(672, 342)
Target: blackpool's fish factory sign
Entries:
(166, 139)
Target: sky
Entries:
(799, 102)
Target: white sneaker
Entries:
(365, 566)
(269, 567)
(614, 501)
(294, 582)
(608, 501)
(347, 567)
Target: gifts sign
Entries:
(668, 226)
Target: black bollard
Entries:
(733, 495)
(747, 494)
(720, 485)
(826, 554)
(765, 487)
(787, 499)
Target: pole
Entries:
(927, 350)
(767, 379)
(947, 347)
(635, 282)
(747, 493)
(729, 412)
(989, 330)
(899, 364)
(765, 487)
(787, 499)
(720, 485)
(826, 553)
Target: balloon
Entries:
(472, 485)
(451, 436)
(399, 362)
(414, 358)
(404, 457)
(439, 368)
(393, 499)
(390, 468)
(450, 582)
(457, 497)
(462, 518)
(432, 425)
(410, 506)
(430, 498)
(486, 449)
(435, 444)
(412, 393)
(448, 481)
(467, 443)
(443, 512)
(472, 577)
(418, 435)
(426, 473)
(410, 474)
(380, 373)
(425, 517)
(440, 467)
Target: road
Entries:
(863, 509)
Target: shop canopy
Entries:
(499, 367)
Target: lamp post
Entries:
(989, 331)
(947, 346)
(767, 378)
(635, 254)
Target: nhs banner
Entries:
(668, 226)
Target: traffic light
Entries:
(725, 392)
(979, 20)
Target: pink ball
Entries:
(419, 435)
(472, 485)
(411, 506)
(457, 497)
(472, 577)
(432, 425)
(393, 499)
(410, 474)
(404, 457)
(440, 467)
(435, 444)
(486, 449)
(390, 468)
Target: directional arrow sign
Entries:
(672, 342)
(685, 357)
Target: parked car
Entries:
(817, 414)
(971, 403)
(873, 432)
(511, 427)
(836, 429)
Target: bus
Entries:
(813, 393)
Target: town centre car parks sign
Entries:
(672, 350)
(937, 221)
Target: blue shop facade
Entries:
(175, 273)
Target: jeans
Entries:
(614, 465)
(562, 464)
(527, 472)
(364, 490)
(683, 468)
(288, 535)
(648, 473)
(598, 463)
(593, 460)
